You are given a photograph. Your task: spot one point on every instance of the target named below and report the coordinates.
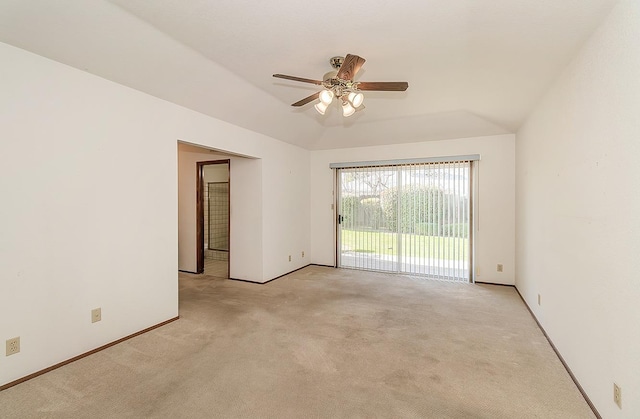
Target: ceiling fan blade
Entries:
(385, 86)
(350, 67)
(294, 78)
(307, 99)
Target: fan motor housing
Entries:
(330, 75)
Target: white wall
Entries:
(71, 242)
(286, 199)
(495, 237)
(269, 213)
(215, 172)
(187, 211)
(578, 222)
(245, 213)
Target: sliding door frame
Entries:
(473, 161)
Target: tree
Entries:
(424, 210)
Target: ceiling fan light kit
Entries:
(340, 84)
(326, 97)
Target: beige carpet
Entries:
(323, 343)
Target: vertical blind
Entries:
(411, 218)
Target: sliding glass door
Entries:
(412, 218)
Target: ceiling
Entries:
(474, 67)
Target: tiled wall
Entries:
(216, 180)
(216, 212)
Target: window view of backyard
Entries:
(411, 219)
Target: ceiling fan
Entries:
(339, 83)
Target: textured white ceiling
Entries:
(474, 67)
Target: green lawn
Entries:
(413, 245)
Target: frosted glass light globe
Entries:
(321, 107)
(356, 99)
(347, 109)
(326, 96)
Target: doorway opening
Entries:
(212, 207)
(406, 218)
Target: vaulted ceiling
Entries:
(474, 67)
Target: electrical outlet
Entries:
(96, 315)
(617, 395)
(303, 253)
(289, 258)
(538, 299)
(500, 267)
(13, 346)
